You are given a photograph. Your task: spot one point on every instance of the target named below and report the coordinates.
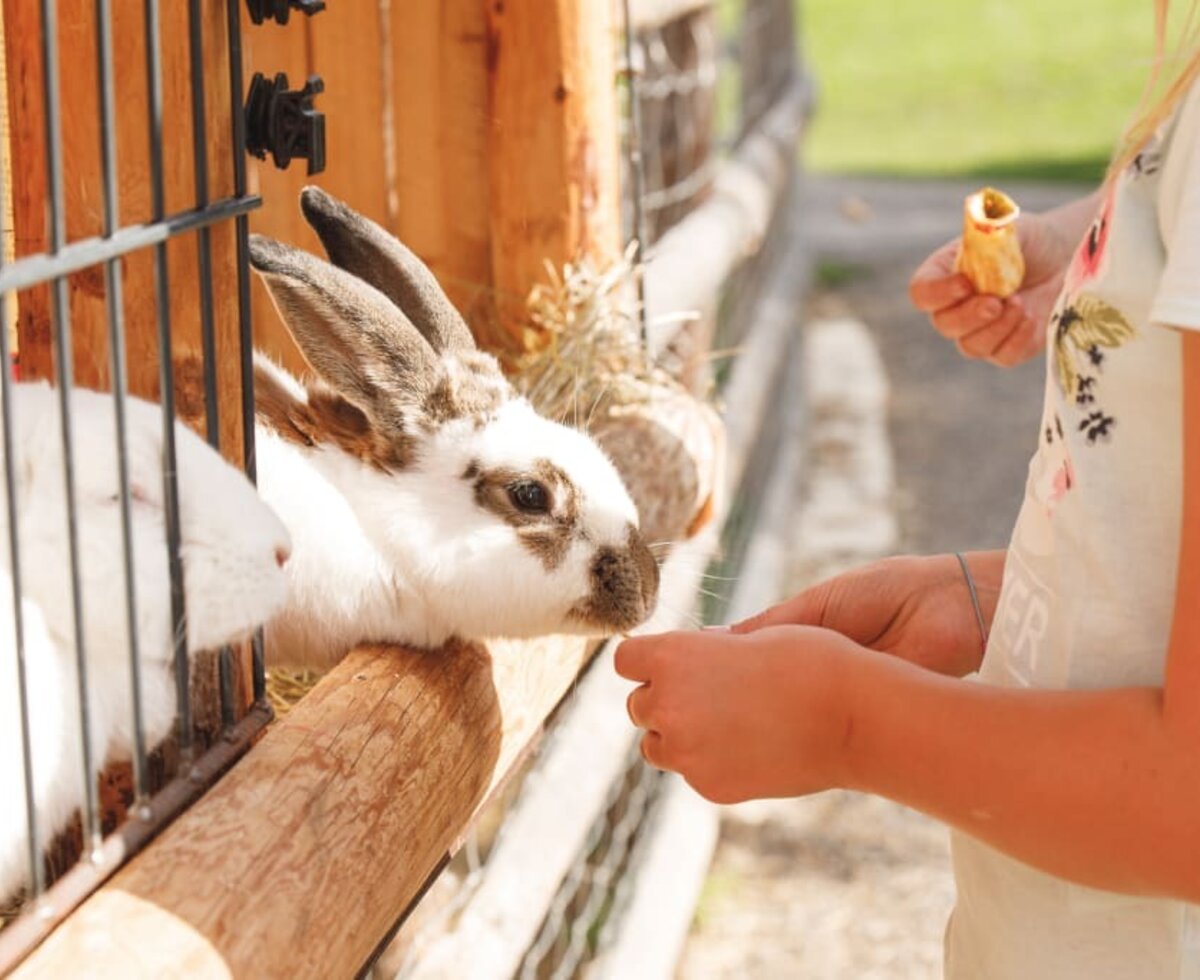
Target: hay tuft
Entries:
(286, 687)
(593, 359)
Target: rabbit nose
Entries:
(282, 554)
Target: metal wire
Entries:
(583, 906)
(633, 142)
(61, 338)
(33, 838)
(116, 346)
(204, 235)
(245, 324)
(166, 381)
(33, 270)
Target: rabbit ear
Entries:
(352, 335)
(362, 248)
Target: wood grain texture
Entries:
(332, 823)
(552, 147)
(439, 107)
(345, 45)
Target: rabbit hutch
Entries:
(606, 192)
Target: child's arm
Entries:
(914, 607)
(1102, 787)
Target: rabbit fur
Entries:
(426, 500)
(232, 548)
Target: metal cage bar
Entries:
(34, 270)
(204, 235)
(33, 837)
(63, 356)
(116, 335)
(166, 381)
(245, 325)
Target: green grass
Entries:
(990, 88)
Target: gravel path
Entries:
(843, 885)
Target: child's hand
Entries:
(1003, 331)
(916, 608)
(741, 717)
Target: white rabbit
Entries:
(232, 547)
(425, 498)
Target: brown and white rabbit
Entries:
(232, 547)
(425, 498)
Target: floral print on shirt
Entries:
(1084, 329)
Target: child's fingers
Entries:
(801, 609)
(971, 315)
(1020, 345)
(652, 750)
(635, 657)
(640, 707)
(984, 342)
(935, 285)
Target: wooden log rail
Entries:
(300, 860)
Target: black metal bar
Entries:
(33, 842)
(637, 172)
(116, 347)
(166, 381)
(61, 339)
(245, 323)
(212, 425)
(33, 270)
(225, 668)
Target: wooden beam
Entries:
(552, 147)
(330, 826)
(439, 106)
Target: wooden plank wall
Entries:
(483, 134)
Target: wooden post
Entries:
(552, 147)
(439, 82)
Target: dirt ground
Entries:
(843, 885)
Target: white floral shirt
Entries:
(1089, 581)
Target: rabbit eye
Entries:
(529, 496)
